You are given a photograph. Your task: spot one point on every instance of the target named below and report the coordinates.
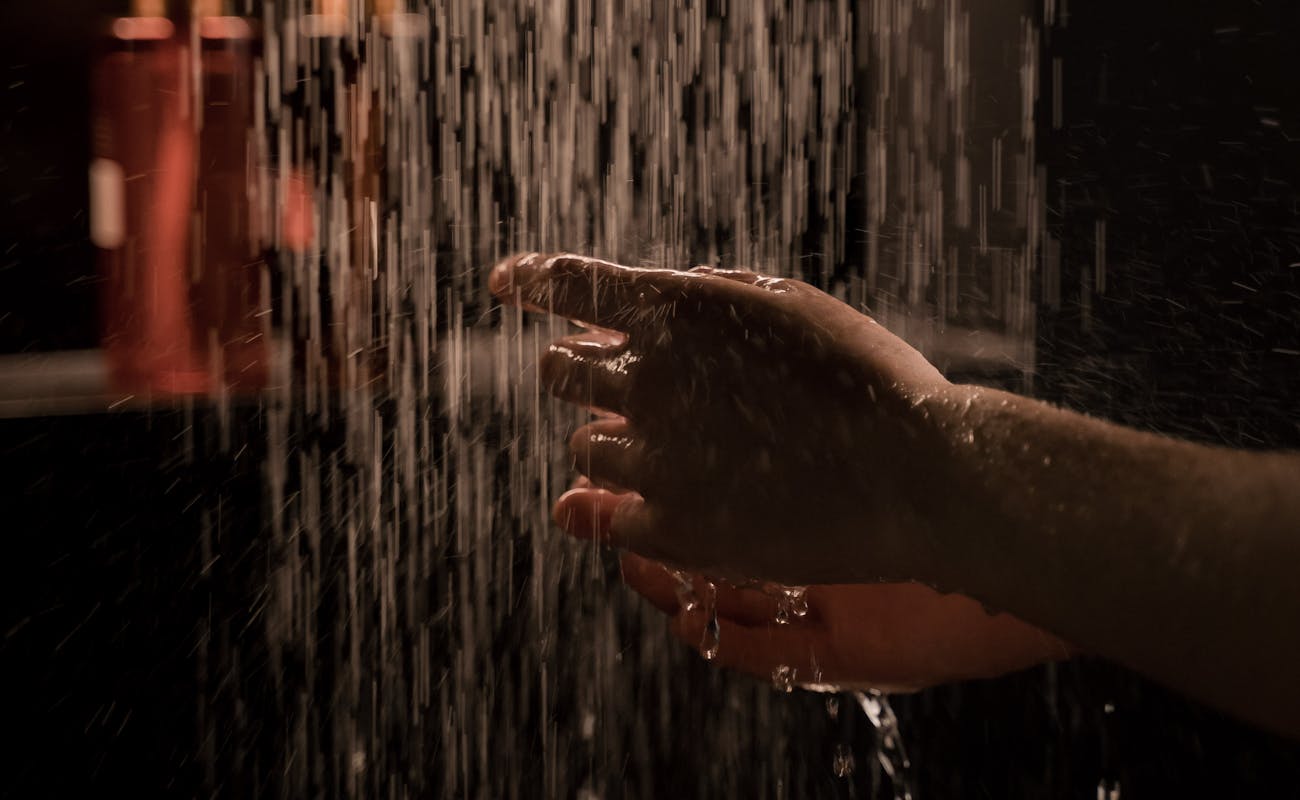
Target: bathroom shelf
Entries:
(58, 384)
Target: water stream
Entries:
(421, 627)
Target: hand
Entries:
(891, 637)
(766, 429)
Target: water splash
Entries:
(791, 601)
(890, 754)
(686, 597)
(410, 602)
(783, 678)
(842, 761)
(711, 640)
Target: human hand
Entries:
(888, 636)
(766, 429)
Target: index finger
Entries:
(590, 290)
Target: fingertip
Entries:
(585, 513)
(505, 276)
(563, 512)
(551, 367)
(571, 511)
(579, 443)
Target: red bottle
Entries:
(142, 177)
(175, 212)
(231, 283)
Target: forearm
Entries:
(1175, 559)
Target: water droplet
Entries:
(791, 601)
(711, 640)
(686, 597)
(783, 678)
(842, 763)
(891, 756)
(833, 707)
(797, 600)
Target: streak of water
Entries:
(418, 627)
(890, 753)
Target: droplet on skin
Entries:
(711, 640)
(842, 762)
(791, 601)
(783, 678)
(686, 597)
(798, 596)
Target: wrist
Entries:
(945, 490)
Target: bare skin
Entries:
(895, 637)
(766, 430)
(888, 636)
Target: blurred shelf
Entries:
(75, 382)
(63, 383)
(40, 384)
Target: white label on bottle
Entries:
(107, 204)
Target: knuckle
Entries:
(565, 265)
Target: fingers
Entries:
(651, 580)
(623, 520)
(654, 581)
(758, 651)
(586, 513)
(637, 526)
(608, 453)
(589, 369)
(586, 289)
(749, 607)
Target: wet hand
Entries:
(763, 428)
(891, 637)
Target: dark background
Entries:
(1180, 128)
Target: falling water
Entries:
(416, 625)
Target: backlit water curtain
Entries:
(295, 204)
